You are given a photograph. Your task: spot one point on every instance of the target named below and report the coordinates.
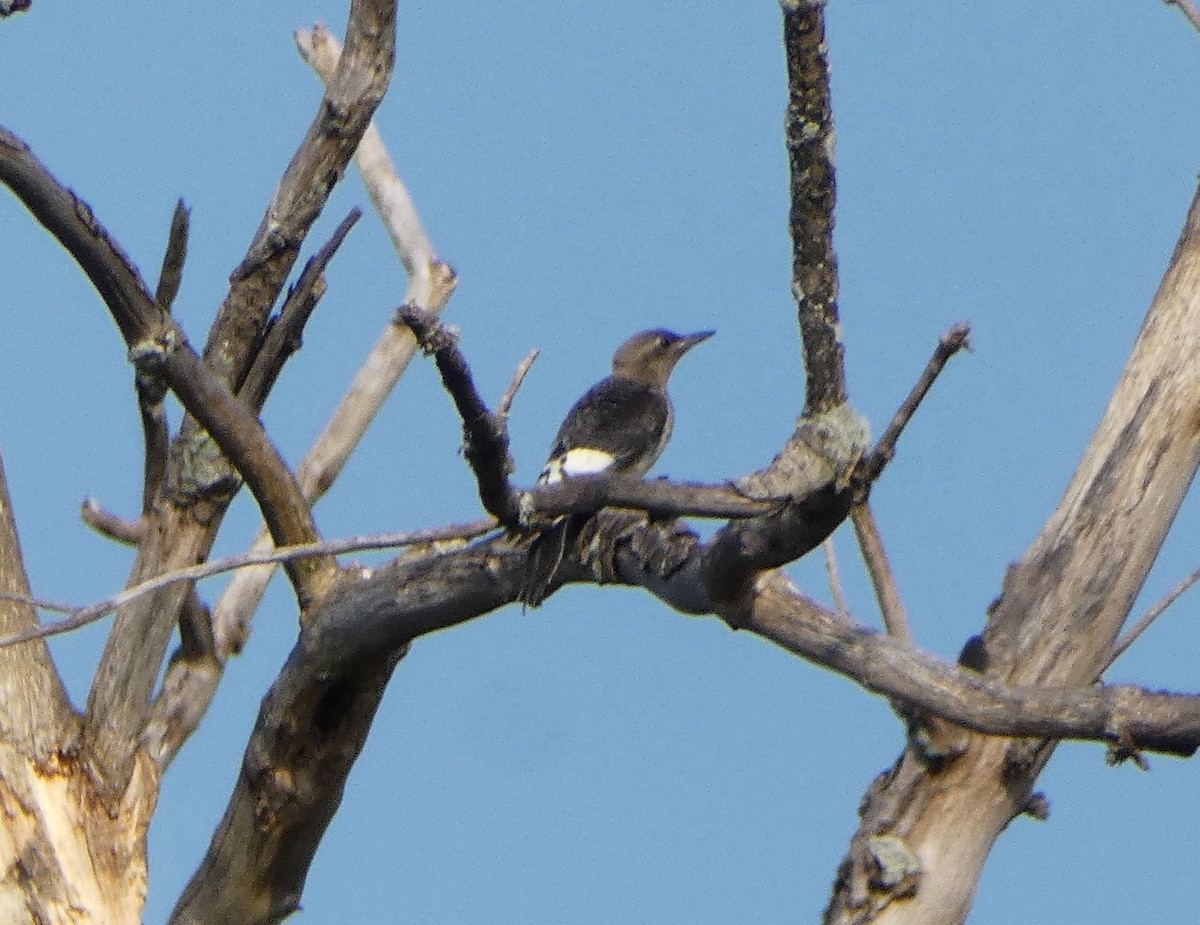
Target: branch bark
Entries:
(809, 136)
(35, 712)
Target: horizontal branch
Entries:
(659, 498)
(1152, 720)
(82, 616)
(317, 714)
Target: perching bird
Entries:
(621, 425)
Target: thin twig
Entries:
(1189, 9)
(518, 378)
(283, 337)
(151, 387)
(485, 434)
(835, 578)
(108, 524)
(171, 275)
(82, 616)
(895, 618)
(950, 343)
(1149, 617)
(156, 438)
(41, 603)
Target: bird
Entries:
(620, 426)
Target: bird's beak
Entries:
(688, 341)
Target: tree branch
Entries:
(518, 379)
(317, 715)
(82, 616)
(1156, 721)
(1189, 9)
(202, 484)
(242, 439)
(1144, 623)
(879, 567)
(283, 337)
(170, 276)
(108, 524)
(659, 498)
(950, 343)
(70, 220)
(485, 435)
(35, 712)
(809, 136)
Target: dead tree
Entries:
(80, 784)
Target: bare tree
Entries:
(80, 785)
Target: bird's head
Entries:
(650, 356)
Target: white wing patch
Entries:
(574, 463)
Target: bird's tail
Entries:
(545, 555)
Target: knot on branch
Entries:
(895, 868)
(149, 356)
(813, 471)
(432, 337)
(823, 450)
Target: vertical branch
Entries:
(35, 714)
(808, 133)
(887, 592)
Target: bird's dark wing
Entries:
(617, 416)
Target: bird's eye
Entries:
(662, 342)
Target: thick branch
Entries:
(35, 712)
(657, 497)
(1189, 9)
(317, 715)
(808, 133)
(158, 349)
(1154, 720)
(812, 472)
(245, 443)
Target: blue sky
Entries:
(591, 170)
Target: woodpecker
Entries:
(621, 425)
